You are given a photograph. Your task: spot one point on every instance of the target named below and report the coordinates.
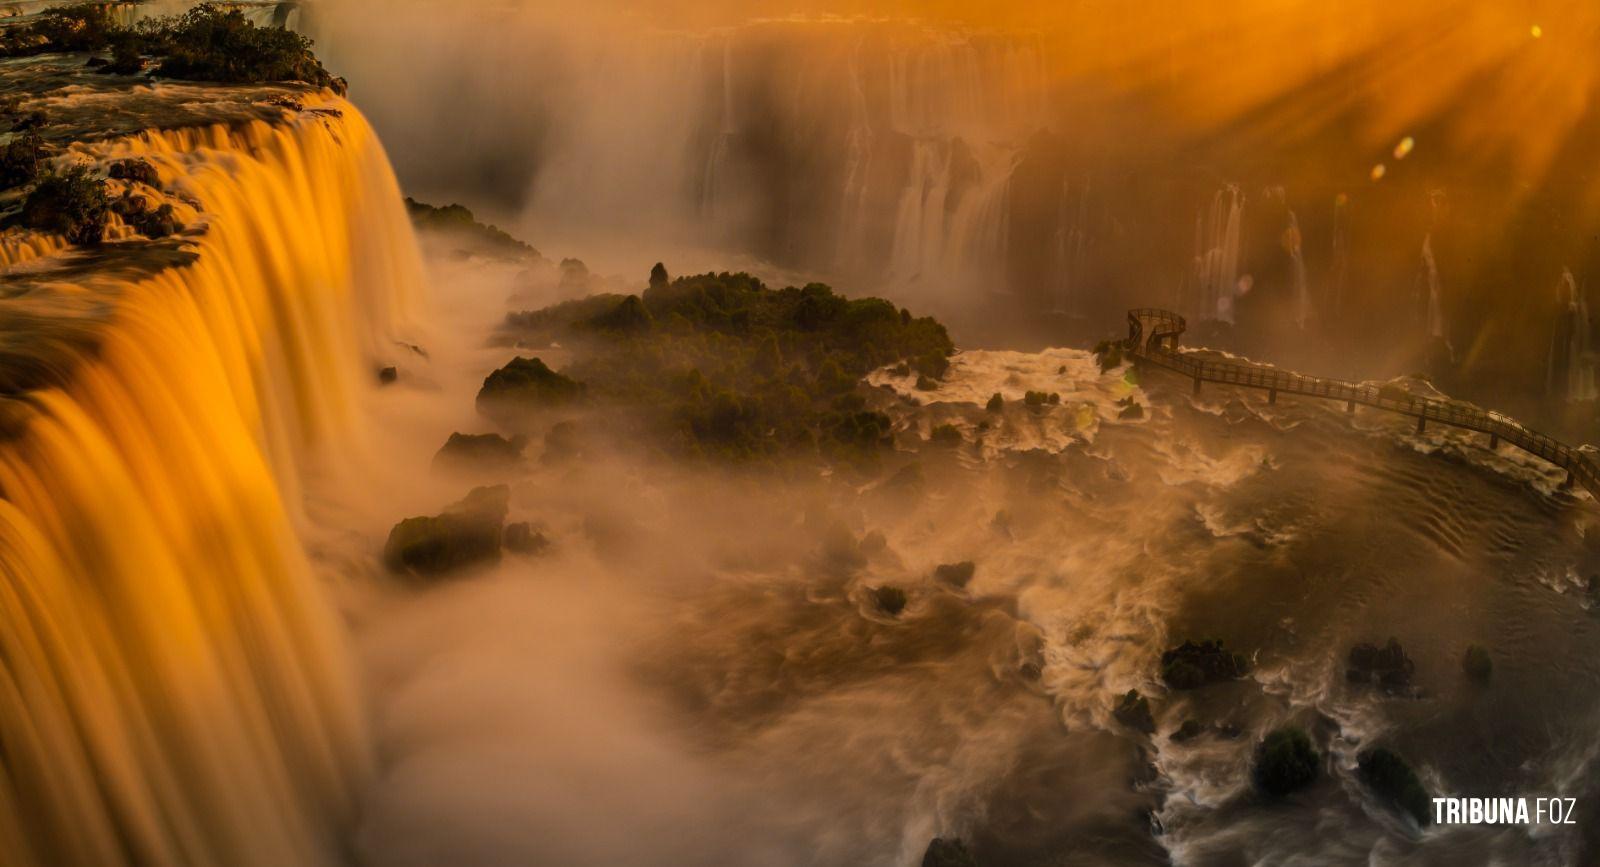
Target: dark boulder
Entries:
(1133, 711)
(388, 375)
(135, 170)
(482, 452)
(1191, 729)
(891, 600)
(948, 853)
(1476, 664)
(522, 538)
(1192, 665)
(996, 403)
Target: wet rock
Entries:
(996, 403)
(1285, 762)
(955, 574)
(1130, 408)
(467, 533)
(1133, 711)
(1476, 664)
(1387, 666)
(482, 452)
(522, 538)
(1389, 777)
(945, 435)
(948, 853)
(135, 170)
(388, 375)
(1192, 665)
(890, 600)
(926, 383)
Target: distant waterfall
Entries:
(1572, 366)
(1216, 259)
(174, 687)
(1293, 245)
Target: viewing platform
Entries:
(1153, 339)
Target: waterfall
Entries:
(1216, 260)
(173, 682)
(1297, 271)
(1572, 363)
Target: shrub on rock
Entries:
(1285, 762)
(1388, 775)
(72, 203)
(467, 533)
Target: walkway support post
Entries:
(1197, 385)
(1350, 407)
(1272, 395)
(1494, 441)
(1422, 423)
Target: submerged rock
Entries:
(1476, 664)
(948, 853)
(1191, 729)
(1192, 665)
(955, 574)
(1285, 762)
(1133, 711)
(1388, 776)
(1387, 666)
(467, 533)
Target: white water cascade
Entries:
(1216, 259)
(174, 684)
(1572, 366)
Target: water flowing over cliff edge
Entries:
(173, 682)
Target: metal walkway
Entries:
(1153, 338)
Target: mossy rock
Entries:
(1388, 776)
(480, 452)
(526, 384)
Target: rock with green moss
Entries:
(467, 533)
(1387, 775)
(1285, 762)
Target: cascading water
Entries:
(1216, 259)
(173, 682)
(1571, 373)
(1430, 292)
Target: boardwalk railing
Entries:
(1153, 337)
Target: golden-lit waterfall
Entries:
(173, 683)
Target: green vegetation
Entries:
(1388, 775)
(465, 534)
(210, 42)
(891, 600)
(72, 203)
(457, 220)
(1192, 665)
(525, 384)
(1285, 762)
(948, 853)
(727, 368)
(21, 160)
(1476, 664)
